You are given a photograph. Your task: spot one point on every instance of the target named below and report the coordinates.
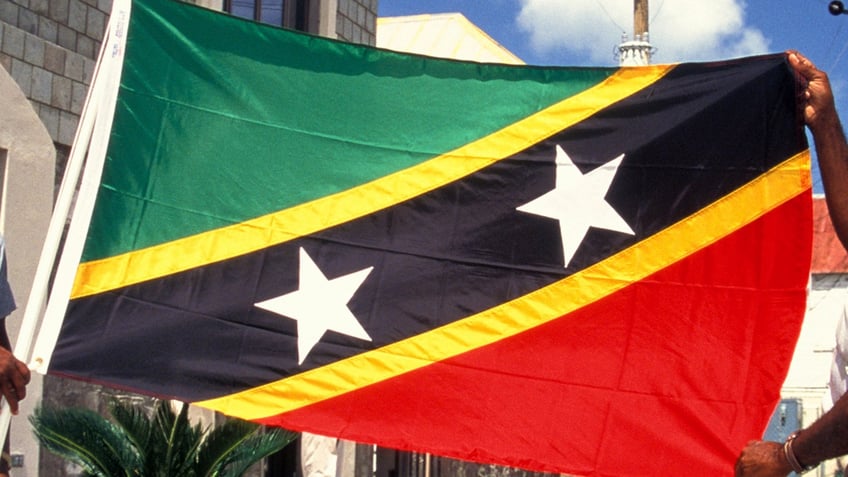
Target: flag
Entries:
(595, 271)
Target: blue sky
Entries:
(585, 32)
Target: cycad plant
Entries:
(161, 444)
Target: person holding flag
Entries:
(827, 437)
(14, 374)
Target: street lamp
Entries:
(836, 8)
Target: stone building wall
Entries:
(356, 21)
(49, 47)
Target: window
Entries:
(284, 13)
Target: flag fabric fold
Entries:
(596, 271)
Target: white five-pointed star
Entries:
(577, 202)
(319, 305)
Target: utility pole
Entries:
(638, 51)
(640, 19)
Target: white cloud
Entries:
(681, 30)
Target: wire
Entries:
(830, 48)
(610, 16)
(658, 11)
(838, 57)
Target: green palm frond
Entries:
(157, 444)
(260, 444)
(230, 449)
(87, 439)
(133, 420)
(219, 443)
(180, 439)
(136, 424)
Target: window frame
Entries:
(295, 13)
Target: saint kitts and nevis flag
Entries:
(594, 271)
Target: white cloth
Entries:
(318, 455)
(838, 383)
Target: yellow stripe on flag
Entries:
(228, 242)
(708, 225)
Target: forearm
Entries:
(832, 151)
(826, 438)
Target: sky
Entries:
(585, 32)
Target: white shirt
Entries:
(838, 373)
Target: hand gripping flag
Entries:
(595, 271)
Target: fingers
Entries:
(762, 459)
(802, 65)
(815, 96)
(739, 470)
(10, 393)
(741, 465)
(14, 376)
(20, 379)
(796, 58)
(23, 370)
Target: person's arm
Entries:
(14, 374)
(763, 459)
(828, 436)
(824, 439)
(822, 118)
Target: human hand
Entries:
(14, 376)
(817, 96)
(762, 459)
